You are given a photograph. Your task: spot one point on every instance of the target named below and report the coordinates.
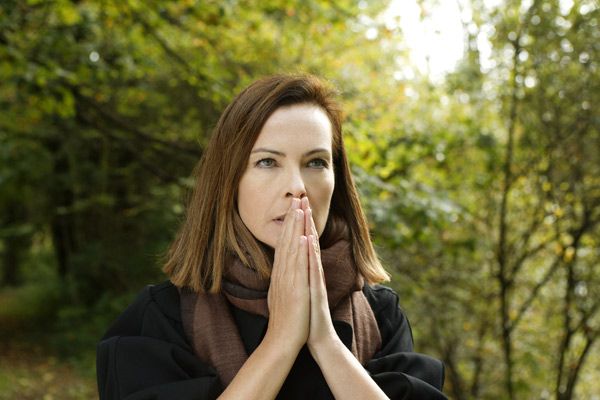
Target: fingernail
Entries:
(295, 203)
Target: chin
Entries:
(267, 241)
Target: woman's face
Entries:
(291, 158)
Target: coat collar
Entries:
(252, 327)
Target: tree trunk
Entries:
(15, 244)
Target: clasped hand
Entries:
(297, 299)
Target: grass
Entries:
(32, 365)
(27, 371)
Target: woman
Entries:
(272, 276)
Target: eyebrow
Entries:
(279, 153)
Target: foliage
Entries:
(482, 190)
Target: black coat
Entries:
(145, 354)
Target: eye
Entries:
(318, 163)
(265, 163)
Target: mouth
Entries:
(280, 219)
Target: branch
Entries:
(586, 316)
(478, 361)
(162, 43)
(120, 123)
(585, 225)
(160, 173)
(574, 373)
(518, 264)
(533, 294)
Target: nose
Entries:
(295, 185)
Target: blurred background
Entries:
(472, 128)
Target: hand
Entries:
(321, 330)
(289, 297)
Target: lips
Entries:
(279, 219)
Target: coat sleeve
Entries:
(400, 372)
(144, 356)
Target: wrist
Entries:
(326, 346)
(282, 345)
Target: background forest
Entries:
(482, 185)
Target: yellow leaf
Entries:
(546, 186)
(68, 14)
(558, 248)
(569, 254)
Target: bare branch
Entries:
(534, 292)
(574, 372)
(527, 253)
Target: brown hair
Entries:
(213, 226)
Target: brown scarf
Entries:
(210, 327)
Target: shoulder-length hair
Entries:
(212, 227)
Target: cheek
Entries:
(254, 197)
(249, 188)
(247, 197)
(320, 202)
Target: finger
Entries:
(307, 221)
(302, 262)
(289, 221)
(291, 246)
(305, 207)
(311, 228)
(288, 231)
(305, 203)
(296, 203)
(316, 270)
(299, 217)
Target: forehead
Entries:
(296, 126)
